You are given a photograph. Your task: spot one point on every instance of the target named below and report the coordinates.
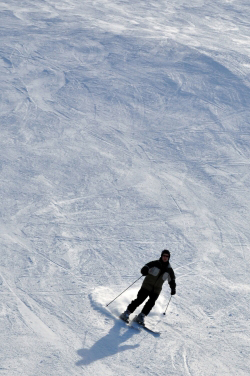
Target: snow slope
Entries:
(124, 130)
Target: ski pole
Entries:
(123, 291)
(164, 313)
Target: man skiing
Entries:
(156, 273)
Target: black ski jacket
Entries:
(157, 272)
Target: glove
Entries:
(144, 270)
(173, 292)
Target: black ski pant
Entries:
(142, 295)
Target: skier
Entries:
(156, 272)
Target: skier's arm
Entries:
(145, 269)
(172, 283)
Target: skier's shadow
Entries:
(108, 345)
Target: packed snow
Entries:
(125, 129)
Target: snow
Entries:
(124, 131)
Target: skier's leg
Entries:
(141, 296)
(150, 303)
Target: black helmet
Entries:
(166, 252)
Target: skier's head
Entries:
(165, 253)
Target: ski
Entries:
(146, 328)
(135, 325)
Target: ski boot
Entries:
(125, 316)
(140, 319)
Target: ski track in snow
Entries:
(124, 130)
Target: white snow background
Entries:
(124, 131)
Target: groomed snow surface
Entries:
(124, 130)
